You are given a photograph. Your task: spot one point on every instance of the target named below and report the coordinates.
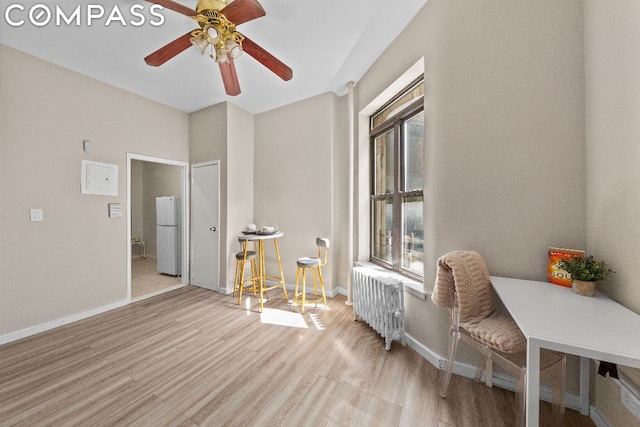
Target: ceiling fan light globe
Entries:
(213, 36)
(221, 54)
(236, 52)
(233, 48)
(200, 42)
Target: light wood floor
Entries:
(192, 357)
(145, 278)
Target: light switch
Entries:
(87, 146)
(36, 215)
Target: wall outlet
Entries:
(36, 215)
(630, 400)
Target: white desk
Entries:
(553, 317)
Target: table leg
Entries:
(263, 272)
(585, 367)
(533, 383)
(284, 288)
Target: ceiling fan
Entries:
(218, 20)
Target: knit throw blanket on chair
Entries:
(466, 273)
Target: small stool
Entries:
(239, 276)
(314, 264)
(138, 241)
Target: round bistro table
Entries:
(259, 238)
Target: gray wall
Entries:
(240, 183)
(225, 132)
(293, 178)
(75, 260)
(612, 49)
(137, 205)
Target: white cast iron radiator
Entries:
(378, 298)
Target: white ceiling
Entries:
(326, 43)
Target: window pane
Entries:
(414, 153)
(382, 227)
(413, 235)
(384, 163)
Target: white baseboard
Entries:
(432, 357)
(598, 419)
(24, 333)
(337, 291)
(225, 291)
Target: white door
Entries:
(205, 224)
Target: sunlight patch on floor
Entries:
(282, 318)
(317, 322)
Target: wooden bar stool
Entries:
(239, 276)
(314, 264)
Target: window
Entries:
(397, 184)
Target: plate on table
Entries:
(249, 232)
(266, 233)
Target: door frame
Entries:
(184, 201)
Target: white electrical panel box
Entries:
(99, 178)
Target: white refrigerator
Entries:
(168, 238)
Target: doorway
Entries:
(148, 178)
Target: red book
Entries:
(557, 275)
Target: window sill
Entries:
(412, 286)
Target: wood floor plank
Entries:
(324, 394)
(192, 357)
(148, 411)
(421, 401)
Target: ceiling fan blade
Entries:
(230, 78)
(266, 59)
(170, 50)
(241, 11)
(176, 7)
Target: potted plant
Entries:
(585, 273)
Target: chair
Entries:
(313, 264)
(238, 279)
(138, 241)
(463, 287)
